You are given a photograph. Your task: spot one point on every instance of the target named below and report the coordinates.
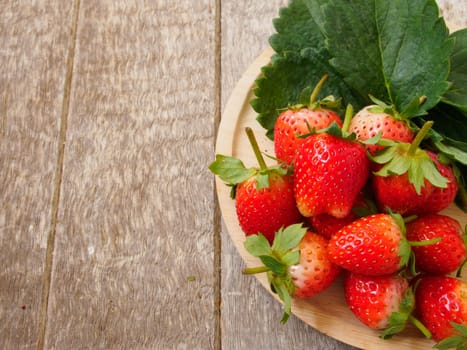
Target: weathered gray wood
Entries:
(133, 264)
(34, 41)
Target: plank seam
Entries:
(47, 278)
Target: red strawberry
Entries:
(314, 272)
(408, 176)
(373, 245)
(300, 120)
(327, 225)
(441, 300)
(380, 118)
(443, 257)
(264, 197)
(382, 302)
(440, 198)
(329, 173)
(297, 263)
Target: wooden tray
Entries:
(327, 311)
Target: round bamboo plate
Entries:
(326, 312)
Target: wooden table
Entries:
(110, 233)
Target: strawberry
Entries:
(374, 245)
(441, 300)
(299, 120)
(381, 302)
(264, 198)
(297, 263)
(327, 225)
(383, 119)
(440, 198)
(443, 257)
(406, 176)
(330, 171)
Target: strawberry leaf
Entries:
(398, 319)
(287, 239)
(457, 341)
(231, 170)
(257, 245)
(291, 258)
(376, 48)
(274, 265)
(457, 94)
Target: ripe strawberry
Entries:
(300, 120)
(297, 263)
(407, 176)
(382, 302)
(440, 198)
(441, 300)
(327, 225)
(374, 245)
(380, 118)
(443, 257)
(264, 198)
(329, 173)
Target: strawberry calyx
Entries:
(399, 319)
(456, 341)
(328, 102)
(276, 259)
(401, 158)
(410, 111)
(233, 171)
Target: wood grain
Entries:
(133, 265)
(33, 54)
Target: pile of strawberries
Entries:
(359, 198)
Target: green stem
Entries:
(347, 118)
(424, 243)
(254, 145)
(419, 138)
(420, 326)
(317, 89)
(255, 270)
(410, 218)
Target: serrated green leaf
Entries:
(295, 29)
(453, 342)
(301, 59)
(257, 245)
(384, 156)
(404, 252)
(262, 180)
(460, 328)
(284, 295)
(276, 266)
(457, 94)
(230, 169)
(291, 258)
(432, 174)
(288, 238)
(377, 45)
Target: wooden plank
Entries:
(133, 266)
(258, 324)
(35, 41)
